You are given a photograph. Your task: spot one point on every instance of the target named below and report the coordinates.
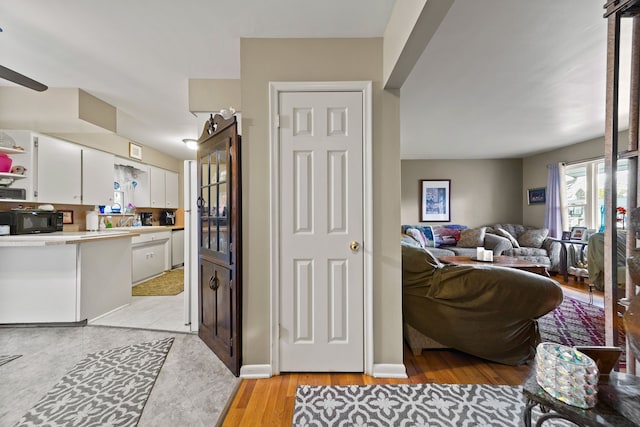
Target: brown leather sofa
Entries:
(483, 310)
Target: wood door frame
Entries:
(275, 88)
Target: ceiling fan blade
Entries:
(8, 74)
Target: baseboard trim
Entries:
(255, 371)
(389, 370)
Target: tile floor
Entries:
(192, 389)
(165, 313)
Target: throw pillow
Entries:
(417, 235)
(533, 238)
(427, 233)
(472, 237)
(504, 233)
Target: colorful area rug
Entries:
(575, 323)
(411, 405)
(168, 283)
(108, 388)
(7, 358)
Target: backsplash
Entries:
(80, 213)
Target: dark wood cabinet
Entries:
(220, 240)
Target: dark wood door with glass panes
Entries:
(220, 281)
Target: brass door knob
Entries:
(355, 246)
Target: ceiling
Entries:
(139, 55)
(507, 79)
(498, 79)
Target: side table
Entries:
(563, 254)
(618, 403)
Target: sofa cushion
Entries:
(522, 252)
(472, 238)
(447, 235)
(460, 251)
(533, 238)
(504, 233)
(514, 229)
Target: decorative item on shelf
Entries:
(18, 170)
(5, 163)
(601, 229)
(567, 374)
(621, 212)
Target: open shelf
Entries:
(8, 150)
(11, 175)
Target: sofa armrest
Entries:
(497, 244)
(553, 248)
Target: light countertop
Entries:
(62, 238)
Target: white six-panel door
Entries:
(321, 232)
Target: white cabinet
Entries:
(150, 255)
(97, 177)
(177, 248)
(158, 198)
(171, 190)
(59, 171)
(164, 188)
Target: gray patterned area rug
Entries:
(108, 388)
(411, 405)
(8, 358)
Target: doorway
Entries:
(321, 227)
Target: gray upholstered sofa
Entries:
(531, 244)
(516, 240)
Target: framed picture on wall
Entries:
(67, 216)
(135, 151)
(435, 200)
(537, 195)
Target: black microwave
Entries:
(31, 222)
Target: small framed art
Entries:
(537, 195)
(67, 216)
(577, 233)
(435, 200)
(135, 151)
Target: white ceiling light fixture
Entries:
(191, 143)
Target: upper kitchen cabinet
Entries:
(171, 191)
(59, 171)
(158, 186)
(164, 188)
(17, 184)
(97, 177)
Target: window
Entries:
(585, 192)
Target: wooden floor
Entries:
(270, 402)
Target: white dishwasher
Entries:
(177, 248)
